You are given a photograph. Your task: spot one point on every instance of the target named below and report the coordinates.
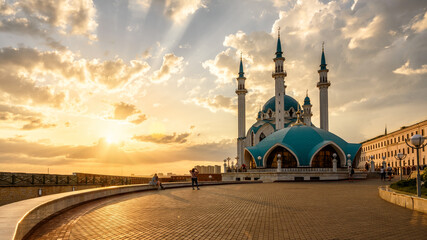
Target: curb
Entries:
(403, 200)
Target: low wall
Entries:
(290, 176)
(403, 200)
(18, 219)
(10, 194)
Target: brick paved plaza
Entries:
(316, 210)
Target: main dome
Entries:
(303, 141)
(289, 102)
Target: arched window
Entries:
(323, 158)
(287, 158)
(261, 137)
(291, 113)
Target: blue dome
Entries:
(304, 142)
(289, 102)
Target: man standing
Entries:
(194, 173)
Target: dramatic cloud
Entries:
(123, 111)
(24, 71)
(162, 138)
(39, 17)
(218, 102)
(171, 65)
(406, 70)
(34, 120)
(179, 10)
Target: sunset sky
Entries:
(144, 86)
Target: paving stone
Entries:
(315, 210)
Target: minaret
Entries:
(323, 85)
(307, 110)
(279, 77)
(241, 93)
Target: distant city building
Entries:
(209, 169)
(389, 145)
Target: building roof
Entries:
(304, 141)
(289, 102)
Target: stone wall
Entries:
(10, 194)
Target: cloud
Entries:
(24, 72)
(179, 10)
(217, 102)
(21, 114)
(162, 138)
(35, 123)
(124, 111)
(139, 119)
(420, 25)
(406, 70)
(171, 65)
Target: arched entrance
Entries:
(288, 159)
(323, 158)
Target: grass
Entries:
(410, 186)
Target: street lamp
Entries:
(400, 157)
(259, 159)
(417, 142)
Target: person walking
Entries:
(194, 173)
(389, 172)
(350, 173)
(382, 172)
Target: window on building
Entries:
(388, 142)
(413, 162)
(407, 136)
(398, 139)
(412, 134)
(261, 137)
(412, 150)
(388, 154)
(422, 132)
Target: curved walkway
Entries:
(316, 210)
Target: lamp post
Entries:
(259, 159)
(384, 163)
(348, 159)
(279, 162)
(417, 142)
(400, 157)
(225, 165)
(372, 164)
(228, 161)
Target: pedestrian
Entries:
(382, 172)
(389, 172)
(156, 182)
(194, 173)
(350, 173)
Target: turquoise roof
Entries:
(323, 61)
(289, 102)
(303, 141)
(279, 48)
(307, 101)
(241, 73)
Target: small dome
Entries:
(303, 141)
(307, 101)
(289, 102)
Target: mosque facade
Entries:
(283, 138)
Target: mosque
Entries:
(283, 139)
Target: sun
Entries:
(111, 140)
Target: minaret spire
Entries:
(323, 86)
(279, 82)
(241, 113)
(279, 46)
(241, 73)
